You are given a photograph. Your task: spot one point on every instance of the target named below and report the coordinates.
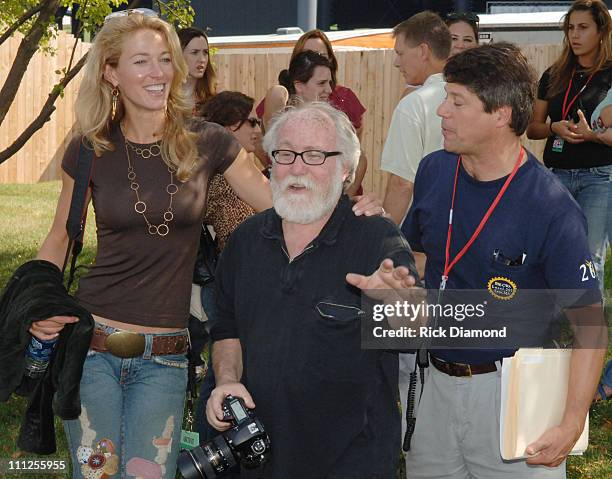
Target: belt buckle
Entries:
(125, 344)
(461, 370)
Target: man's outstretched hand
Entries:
(386, 277)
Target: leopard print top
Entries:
(224, 210)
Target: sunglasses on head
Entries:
(468, 17)
(147, 12)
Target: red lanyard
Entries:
(565, 110)
(448, 266)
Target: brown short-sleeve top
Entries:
(137, 277)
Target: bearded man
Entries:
(289, 287)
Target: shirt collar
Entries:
(272, 227)
(435, 78)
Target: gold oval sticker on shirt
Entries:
(125, 344)
(502, 288)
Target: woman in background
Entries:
(342, 97)
(224, 209)
(199, 86)
(309, 78)
(568, 93)
(463, 27)
(201, 81)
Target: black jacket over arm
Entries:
(35, 292)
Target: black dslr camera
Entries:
(245, 443)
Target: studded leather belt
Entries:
(462, 370)
(127, 344)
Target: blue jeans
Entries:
(131, 416)
(592, 189)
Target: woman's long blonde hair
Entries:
(93, 103)
(561, 71)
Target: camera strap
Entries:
(190, 438)
(422, 362)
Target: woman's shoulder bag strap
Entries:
(75, 225)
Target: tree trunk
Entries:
(27, 48)
(44, 115)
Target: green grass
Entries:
(26, 213)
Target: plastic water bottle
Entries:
(38, 355)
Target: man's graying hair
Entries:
(346, 138)
(499, 75)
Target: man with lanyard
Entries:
(488, 215)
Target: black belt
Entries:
(462, 370)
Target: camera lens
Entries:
(206, 461)
(219, 455)
(190, 466)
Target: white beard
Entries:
(307, 208)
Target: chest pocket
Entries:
(340, 313)
(519, 300)
(335, 350)
(505, 281)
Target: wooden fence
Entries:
(369, 72)
(40, 157)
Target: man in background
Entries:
(422, 45)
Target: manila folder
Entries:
(533, 394)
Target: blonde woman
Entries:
(148, 189)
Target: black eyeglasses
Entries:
(468, 17)
(254, 122)
(310, 157)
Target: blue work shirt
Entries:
(537, 224)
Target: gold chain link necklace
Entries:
(140, 206)
(146, 152)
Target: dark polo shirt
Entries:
(329, 406)
(536, 219)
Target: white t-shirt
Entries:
(596, 124)
(415, 129)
